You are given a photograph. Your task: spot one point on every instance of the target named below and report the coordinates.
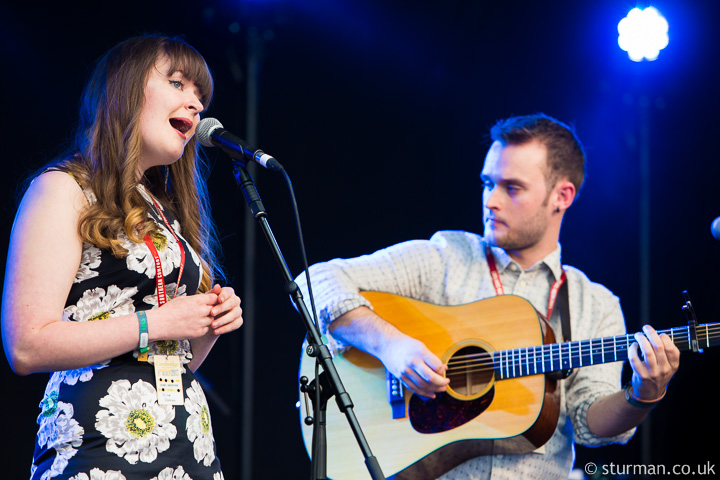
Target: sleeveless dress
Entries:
(104, 421)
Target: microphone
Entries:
(211, 133)
(715, 228)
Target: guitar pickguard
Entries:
(443, 413)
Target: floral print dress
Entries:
(104, 421)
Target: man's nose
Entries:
(491, 198)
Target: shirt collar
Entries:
(552, 261)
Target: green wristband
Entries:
(144, 336)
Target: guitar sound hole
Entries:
(470, 371)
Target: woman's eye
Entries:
(176, 83)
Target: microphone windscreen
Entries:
(205, 129)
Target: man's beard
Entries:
(521, 237)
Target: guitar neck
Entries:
(554, 357)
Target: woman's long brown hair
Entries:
(107, 148)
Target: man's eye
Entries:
(488, 184)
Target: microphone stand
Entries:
(329, 384)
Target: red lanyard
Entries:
(554, 289)
(159, 277)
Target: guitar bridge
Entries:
(395, 395)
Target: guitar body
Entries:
(515, 415)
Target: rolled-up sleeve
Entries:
(593, 382)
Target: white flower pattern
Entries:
(193, 254)
(170, 473)
(137, 428)
(71, 377)
(198, 425)
(58, 430)
(48, 411)
(97, 474)
(140, 259)
(170, 290)
(99, 304)
(89, 261)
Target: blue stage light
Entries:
(643, 33)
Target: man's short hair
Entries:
(565, 153)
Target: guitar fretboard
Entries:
(554, 357)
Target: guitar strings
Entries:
(520, 362)
(487, 362)
(480, 363)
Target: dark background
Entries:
(379, 110)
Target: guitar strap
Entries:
(564, 311)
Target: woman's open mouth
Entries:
(182, 125)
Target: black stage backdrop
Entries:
(379, 110)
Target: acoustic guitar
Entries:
(499, 400)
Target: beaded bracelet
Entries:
(144, 336)
(639, 402)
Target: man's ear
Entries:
(564, 195)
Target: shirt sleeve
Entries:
(602, 317)
(402, 269)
